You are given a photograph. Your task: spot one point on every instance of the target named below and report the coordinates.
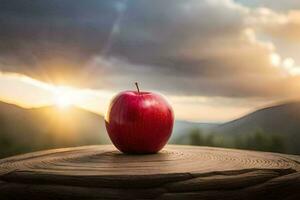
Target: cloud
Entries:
(208, 48)
(288, 29)
(274, 5)
(281, 29)
(27, 92)
(54, 37)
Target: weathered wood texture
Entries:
(177, 172)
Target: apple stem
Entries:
(137, 87)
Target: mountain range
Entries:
(281, 120)
(24, 130)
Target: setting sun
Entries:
(64, 97)
(63, 101)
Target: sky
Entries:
(214, 60)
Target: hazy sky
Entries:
(213, 59)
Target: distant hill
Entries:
(182, 128)
(282, 120)
(24, 130)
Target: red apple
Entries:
(139, 122)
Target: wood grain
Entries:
(177, 172)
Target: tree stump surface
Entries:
(177, 172)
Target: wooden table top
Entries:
(177, 172)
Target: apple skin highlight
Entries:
(139, 122)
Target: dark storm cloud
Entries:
(183, 47)
(45, 35)
(36, 33)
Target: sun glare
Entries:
(63, 101)
(64, 97)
